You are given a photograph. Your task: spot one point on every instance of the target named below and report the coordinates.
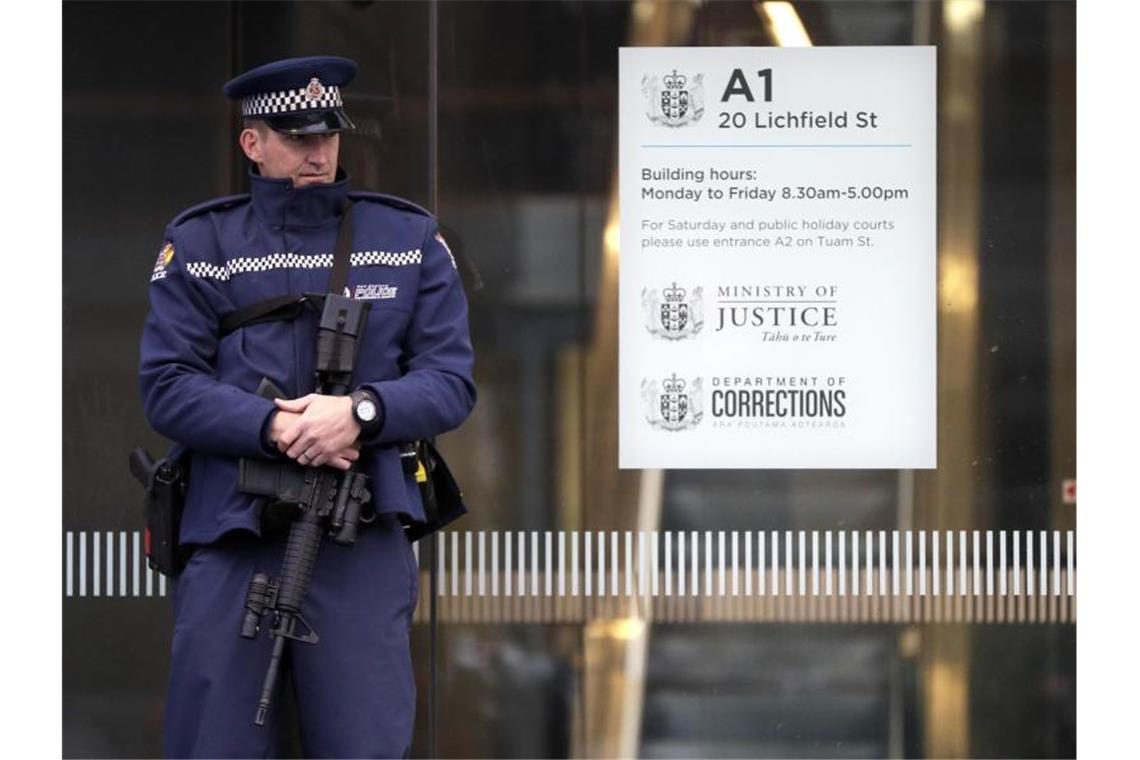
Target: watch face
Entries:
(366, 410)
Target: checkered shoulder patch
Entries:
(269, 262)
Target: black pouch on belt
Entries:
(441, 495)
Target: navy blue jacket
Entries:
(199, 389)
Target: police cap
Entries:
(296, 95)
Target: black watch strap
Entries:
(372, 426)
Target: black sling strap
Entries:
(269, 310)
(338, 277)
(290, 307)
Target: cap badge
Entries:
(315, 90)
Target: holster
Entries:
(164, 498)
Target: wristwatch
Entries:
(366, 412)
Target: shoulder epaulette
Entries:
(214, 204)
(390, 200)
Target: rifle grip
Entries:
(269, 389)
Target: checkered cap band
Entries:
(246, 264)
(289, 101)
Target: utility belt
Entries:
(165, 482)
(280, 484)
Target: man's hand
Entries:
(316, 430)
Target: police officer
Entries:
(355, 691)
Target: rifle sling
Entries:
(289, 307)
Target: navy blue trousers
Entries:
(355, 689)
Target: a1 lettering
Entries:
(738, 85)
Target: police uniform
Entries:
(354, 689)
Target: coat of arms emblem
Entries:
(315, 90)
(669, 315)
(674, 100)
(675, 405)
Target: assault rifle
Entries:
(317, 500)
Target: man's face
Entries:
(305, 159)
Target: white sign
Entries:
(778, 266)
